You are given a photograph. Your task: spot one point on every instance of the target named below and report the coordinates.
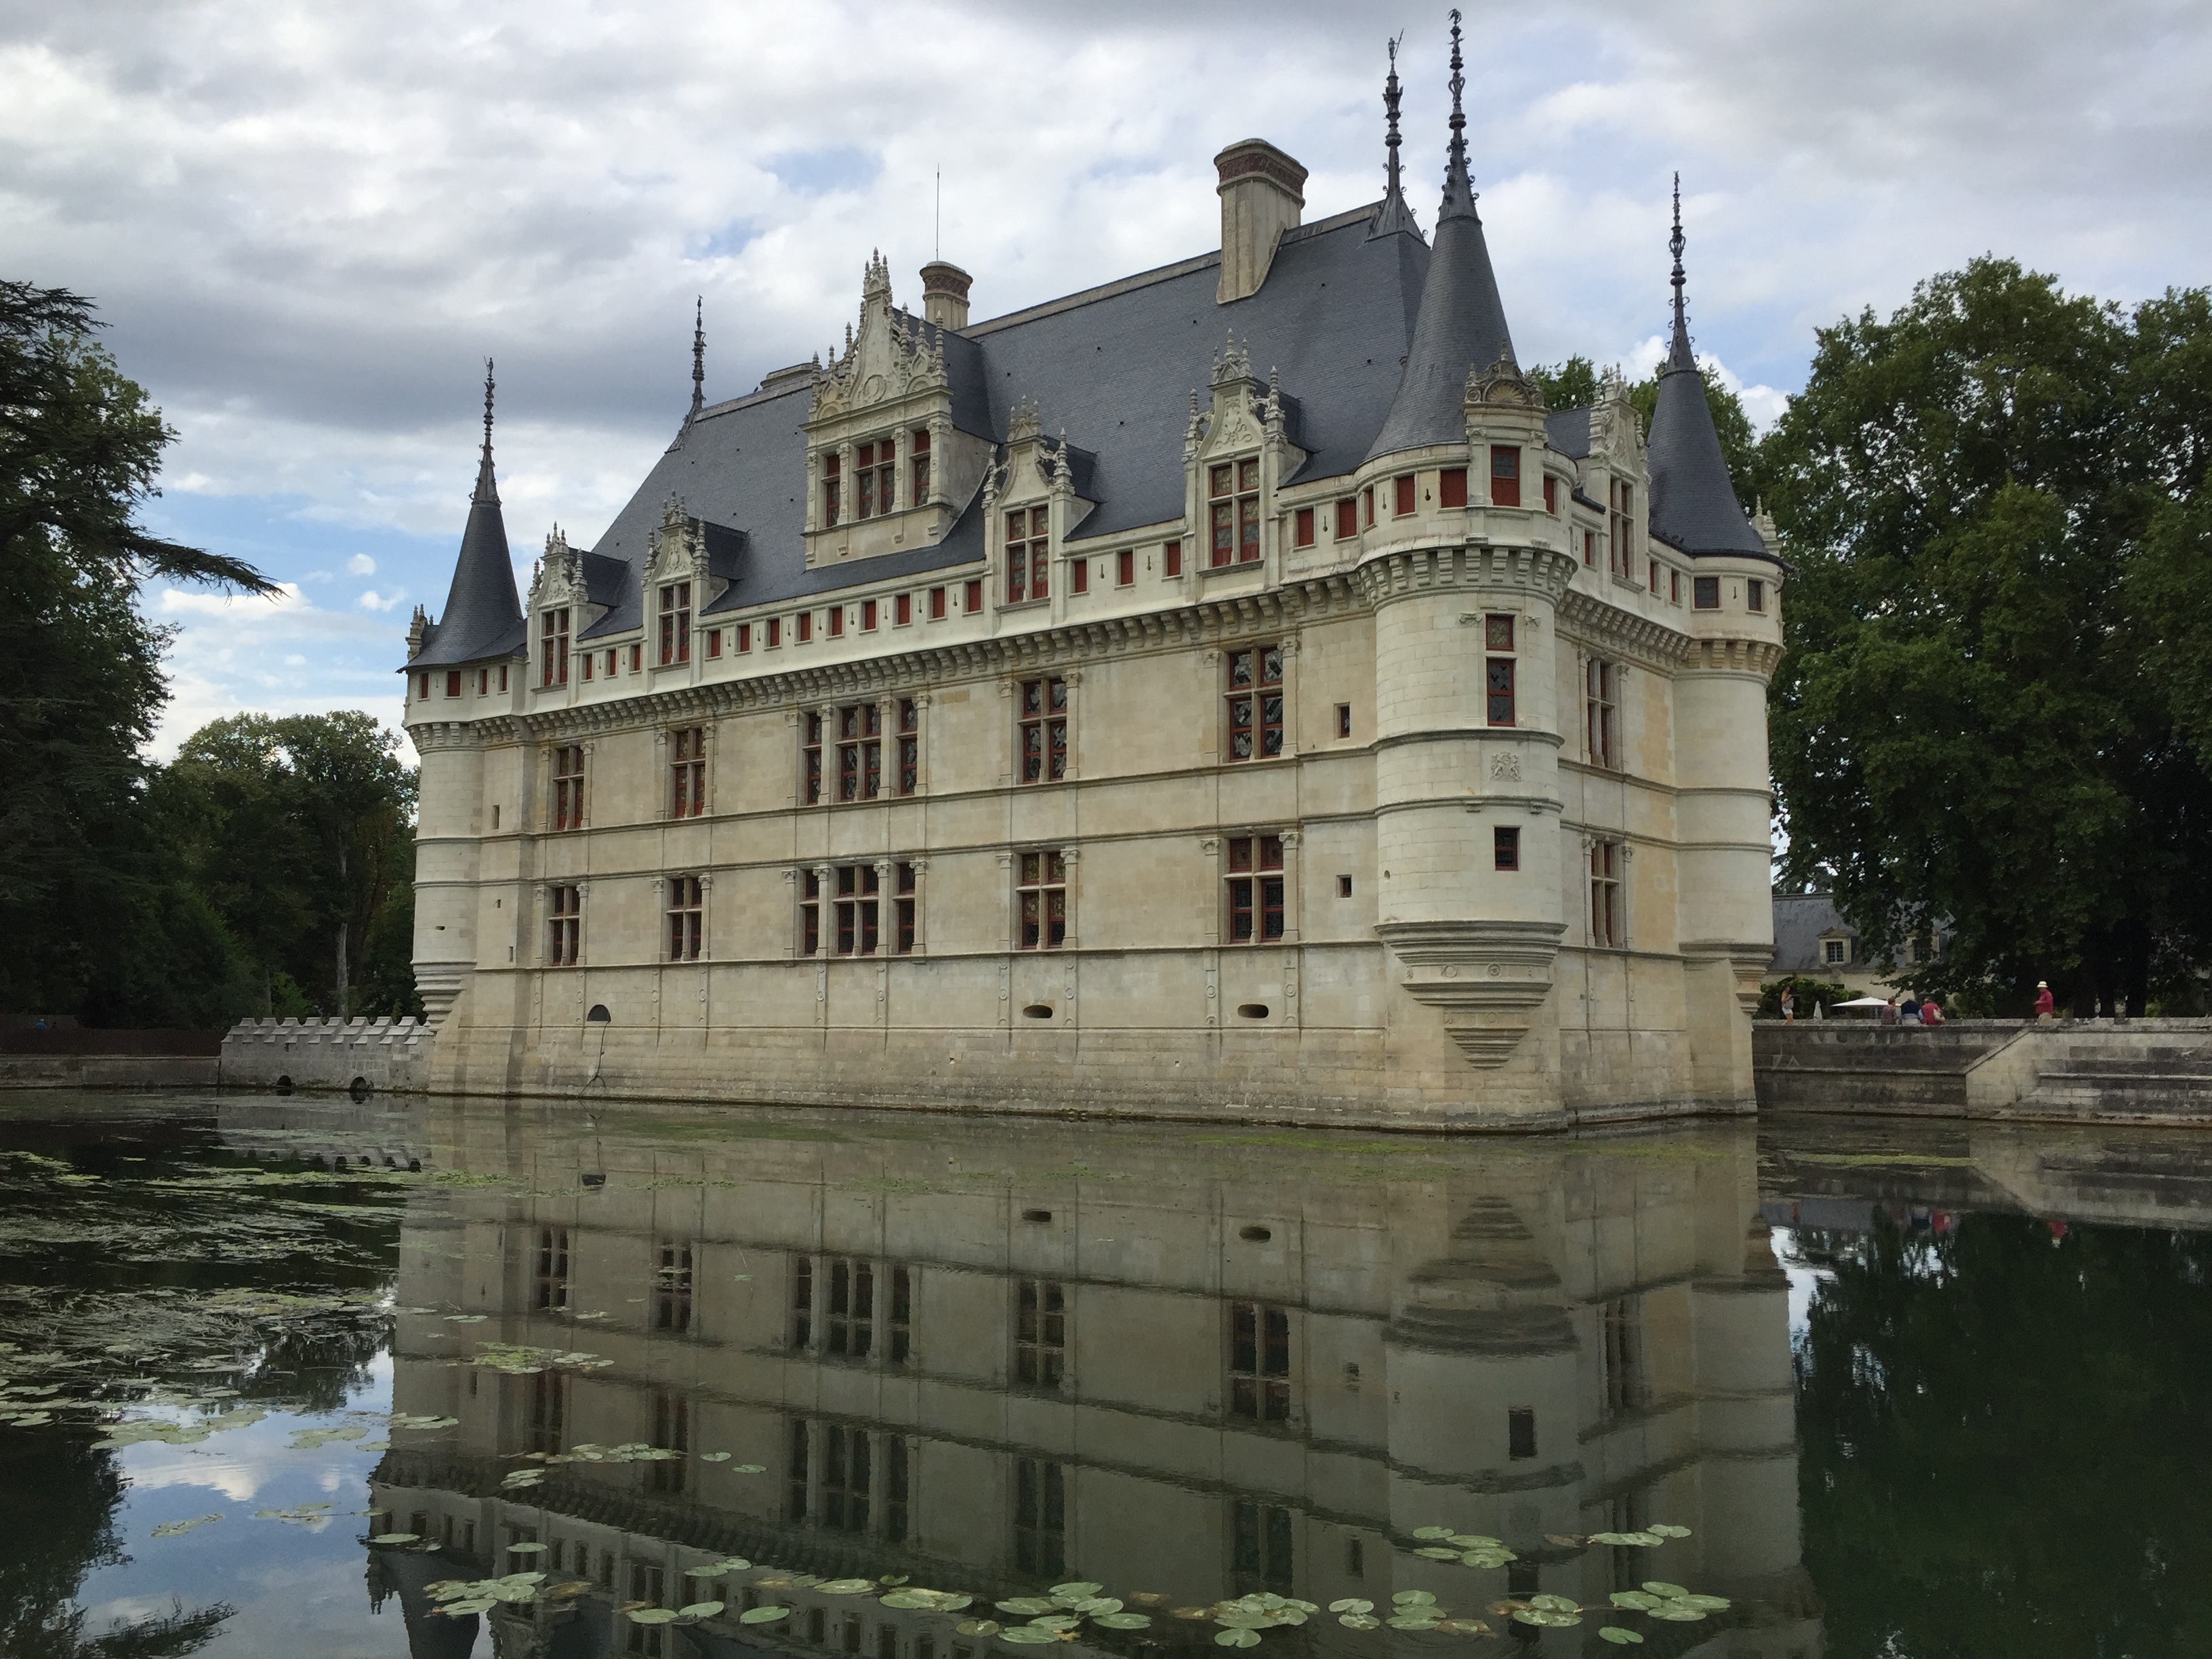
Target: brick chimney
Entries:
(945, 294)
(1262, 192)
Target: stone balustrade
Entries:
(381, 1055)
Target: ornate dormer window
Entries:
(887, 470)
(690, 565)
(1238, 451)
(1033, 503)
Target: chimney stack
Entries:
(945, 294)
(1262, 192)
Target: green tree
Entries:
(299, 832)
(1577, 382)
(1968, 726)
(80, 670)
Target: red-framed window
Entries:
(1505, 847)
(564, 926)
(1550, 494)
(1233, 511)
(875, 477)
(686, 918)
(1304, 534)
(568, 787)
(868, 613)
(1505, 475)
(806, 629)
(972, 596)
(1348, 518)
(905, 907)
(1029, 554)
(1125, 568)
(1498, 689)
(675, 624)
(909, 745)
(1600, 687)
(452, 682)
(809, 913)
(1256, 702)
(686, 772)
(918, 467)
(552, 649)
(937, 605)
(1171, 559)
(1042, 728)
(1041, 893)
(1403, 503)
(860, 751)
(776, 631)
(1252, 882)
(832, 490)
(809, 757)
(1451, 487)
(836, 614)
(858, 910)
(714, 642)
(1622, 519)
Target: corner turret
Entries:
(483, 616)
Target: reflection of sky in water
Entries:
(298, 1590)
(1803, 1282)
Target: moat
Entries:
(286, 1376)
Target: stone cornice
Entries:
(1203, 622)
(1623, 631)
(1402, 573)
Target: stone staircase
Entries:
(2119, 1079)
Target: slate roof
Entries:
(483, 616)
(1800, 919)
(1693, 506)
(1114, 366)
(1461, 327)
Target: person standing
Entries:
(2046, 1006)
(1789, 1006)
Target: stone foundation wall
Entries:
(384, 1055)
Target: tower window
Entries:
(1029, 556)
(1254, 882)
(1079, 575)
(902, 611)
(1233, 512)
(1550, 494)
(836, 615)
(1171, 559)
(972, 597)
(1754, 595)
(806, 629)
(1601, 683)
(675, 624)
(1348, 518)
(1125, 568)
(1403, 502)
(454, 682)
(1505, 847)
(774, 631)
(918, 448)
(1306, 534)
(937, 605)
(1706, 592)
(832, 495)
(1499, 687)
(1451, 487)
(1505, 475)
(868, 616)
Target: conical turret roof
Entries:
(1461, 325)
(1693, 503)
(483, 612)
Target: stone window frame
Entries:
(1033, 550)
(1043, 1320)
(812, 1448)
(1258, 1392)
(561, 941)
(1284, 654)
(1254, 877)
(1605, 681)
(686, 770)
(1047, 880)
(1617, 874)
(1236, 504)
(554, 646)
(673, 617)
(823, 745)
(1015, 689)
(668, 892)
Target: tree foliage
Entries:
(1578, 383)
(131, 894)
(1990, 715)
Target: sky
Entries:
(306, 226)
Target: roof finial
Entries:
(698, 358)
(1391, 214)
(1459, 187)
(486, 487)
(1458, 86)
(1680, 356)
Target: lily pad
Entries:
(1056, 1622)
(748, 1468)
(456, 1609)
(1437, 1552)
(1081, 1587)
(1027, 1606)
(653, 1616)
(1027, 1635)
(1678, 1613)
(1545, 1618)
(1556, 1603)
(713, 1457)
(763, 1615)
(1359, 1621)
(1351, 1604)
(1123, 1621)
(699, 1610)
(1414, 1599)
(1489, 1560)
(1666, 1531)
(1664, 1590)
(1236, 1638)
(1433, 1532)
(171, 1528)
(526, 1549)
(1475, 1540)
(1618, 1635)
(1413, 1621)
(1093, 1606)
(1637, 1600)
(1710, 1603)
(978, 1627)
(1464, 1626)
(733, 1564)
(847, 1586)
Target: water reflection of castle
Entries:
(1013, 1354)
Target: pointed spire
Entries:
(1679, 355)
(487, 486)
(1461, 325)
(1459, 186)
(698, 359)
(1391, 212)
(1694, 508)
(483, 616)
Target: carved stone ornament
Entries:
(1485, 976)
(1505, 766)
(890, 357)
(1502, 383)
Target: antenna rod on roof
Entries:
(937, 236)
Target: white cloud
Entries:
(361, 565)
(371, 599)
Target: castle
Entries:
(1226, 692)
